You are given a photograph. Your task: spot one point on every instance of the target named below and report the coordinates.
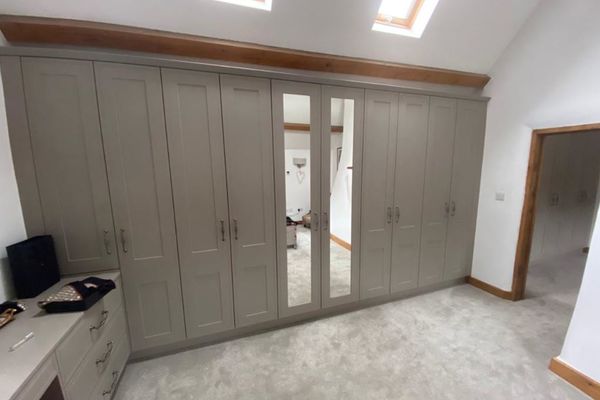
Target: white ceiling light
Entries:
(404, 17)
(260, 4)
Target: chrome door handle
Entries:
(315, 221)
(453, 212)
(389, 215)
(113, 385)
(235, 229)
(222, 230)
(107, 242)
(104, 317)
(123, 241)
(447, 208)
(105, 357)
(397, 214)
(325, 221)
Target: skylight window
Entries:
(260, 4)
(404, 17)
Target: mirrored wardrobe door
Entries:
(341, 156)
(296, 131)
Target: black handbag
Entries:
(77, 295)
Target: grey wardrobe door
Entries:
(340, 284)
(299, 272)
(408, 193)
(466, 172)
(133, 127)
(247, 128)
(381, 123)
(436, 198)
(197, 156)
(69, 161)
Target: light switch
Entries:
(499, 196)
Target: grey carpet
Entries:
(298, 261)
(458, 343)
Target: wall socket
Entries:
(500, 196)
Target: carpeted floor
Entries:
(299, 259)
(458, 343)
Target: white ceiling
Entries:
(466, 35)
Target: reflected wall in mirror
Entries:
(340, 225)
(297, 147)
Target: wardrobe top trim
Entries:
(190, 64)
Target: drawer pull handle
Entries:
(113, 385)
(109, 348)
(101, 323)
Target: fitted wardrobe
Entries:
(174, 175)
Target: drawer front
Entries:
(37, 385)
(97, 361)
(87, 332)
(110, 379)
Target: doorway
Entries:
(561, 195)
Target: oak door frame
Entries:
(532, 184)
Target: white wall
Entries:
(341, 192)
(462, 34)
(296, 109)
(297, 181)
(582, 344)
(548, 76)
(12, 228)
(567, 195)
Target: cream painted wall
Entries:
(548, 76)
(12, 227)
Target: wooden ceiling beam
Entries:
(293, 126)
(52, 31)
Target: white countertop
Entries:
(18, 366)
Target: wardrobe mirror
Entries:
(297, 147)
(340, 198)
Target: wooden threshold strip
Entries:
(582, 382)
(54, 31)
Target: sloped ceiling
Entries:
(467, 35)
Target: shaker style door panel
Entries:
(381, 122)
(341, 182)
(297, 182)
(133, 127)
(466, 171)
(247, 128)
(436, 200)
(408, 193)
(195, 136)
(69, 161)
